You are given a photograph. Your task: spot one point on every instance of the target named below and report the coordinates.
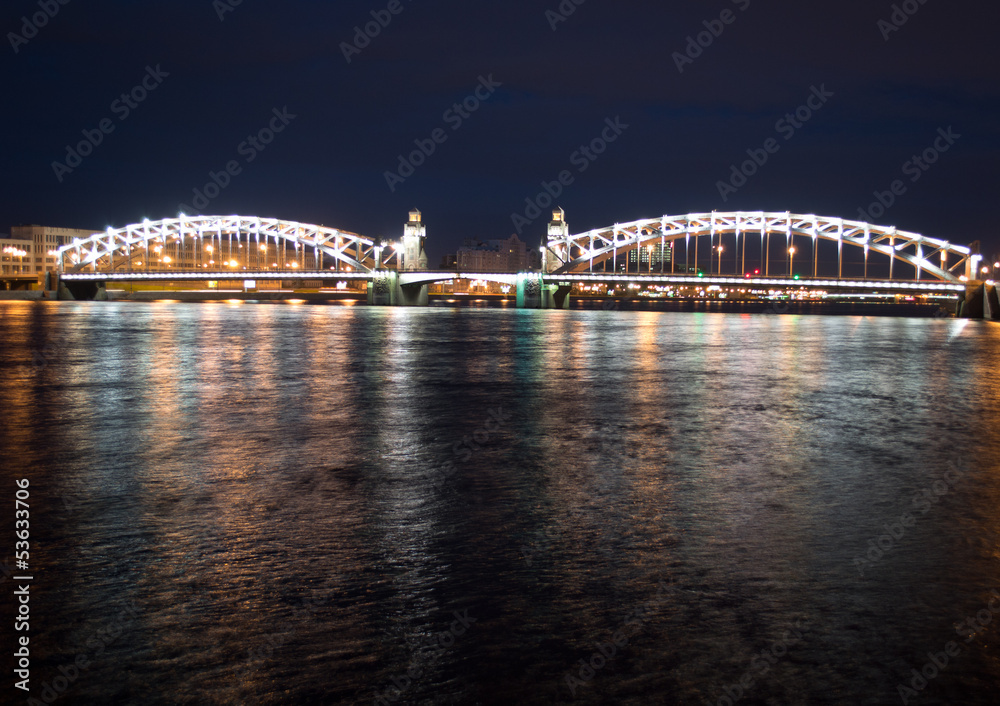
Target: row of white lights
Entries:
(163, 238)
(180, 217)
(585, 254)
(565, 278)
(277, 274)
(787, 217)
(588, 254)
(755, 280)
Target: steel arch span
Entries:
(191, 243)
(752, 231)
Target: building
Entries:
(649, 258)
(31, 250)
(510, 255)
(15, 255)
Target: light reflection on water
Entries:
(262, 483)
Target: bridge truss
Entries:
(673, 244)
(230, 243)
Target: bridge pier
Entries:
(992, 308)
(85, 291)
(981, 302)
(385, 289)
(412, 295)
(534, 293)
(560, 296)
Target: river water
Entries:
(279, 504)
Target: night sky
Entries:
(218, 73)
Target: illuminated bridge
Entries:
(741, 252)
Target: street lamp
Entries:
(791, 256)
(18, 253)
(720, 249)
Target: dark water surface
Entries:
(267, 490)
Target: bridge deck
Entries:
(558, 279)
(761, 282)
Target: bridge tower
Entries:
(533, 292)
(386, 288)
(558, 228)
(981, 294)
(414, 235)
(972, 264)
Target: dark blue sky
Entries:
(558, 87)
